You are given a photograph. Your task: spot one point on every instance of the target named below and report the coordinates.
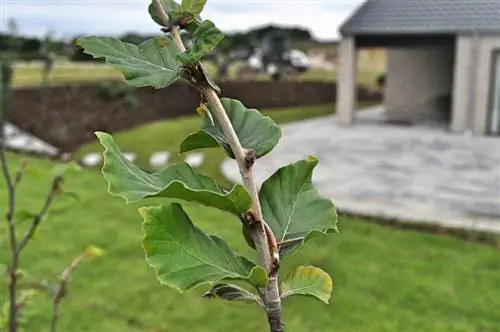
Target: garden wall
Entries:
(73, 113)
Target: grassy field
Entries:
(370, 65)
(386, 280)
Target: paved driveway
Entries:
(411, 173)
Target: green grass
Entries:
(167, 136)
(32, 76)
(386, 280)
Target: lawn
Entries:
(386, 280)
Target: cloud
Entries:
(73, 17)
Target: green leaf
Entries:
(194, 7)
(206, 37)
(169, 6)
(175, 14)
(178, 181)
(255, 131)
(74, 196)
(192, 26)
(93, 251)
(23, 215)
(151, 63)
(308, 281)
(183, 255)
(259, 277)
(293, 208)
(207, 79)
(230, 292)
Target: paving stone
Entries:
(17, 139)
(195, 159)
(159, 159)
(414, 173)
(92, 159)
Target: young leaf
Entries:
(175, 14)
(178, 181)
(255, 131)
(151, 63)
(309, 281)
(230, 292)
(23, 215)
(206, 37)
(183, 255)
(194, 7)
(169, 6)
(293, 208)
(93, 251)
(207, 79)
(74, 196)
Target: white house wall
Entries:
(461, 84)
(416, 77)
(486, 45)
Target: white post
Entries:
(346, 82)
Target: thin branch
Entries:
(263, 238)
(61, 291)
(11, 193)
(14, 264)
(43, 211)
(255, 217)
(19, 174)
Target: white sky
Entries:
(72, 17)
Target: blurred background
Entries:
(283, 58)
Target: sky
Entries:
(68, 18)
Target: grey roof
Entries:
(423, 17)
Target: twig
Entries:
(19, 174)
(264, 239)
(61, 291)
(11, 193)
(262, 236)
(14, 265)
(38, 218)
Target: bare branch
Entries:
(56, 183)
(19, 174)
(61, 290)
(5, 73)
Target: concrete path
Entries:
(409, 173)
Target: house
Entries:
(443, 61)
